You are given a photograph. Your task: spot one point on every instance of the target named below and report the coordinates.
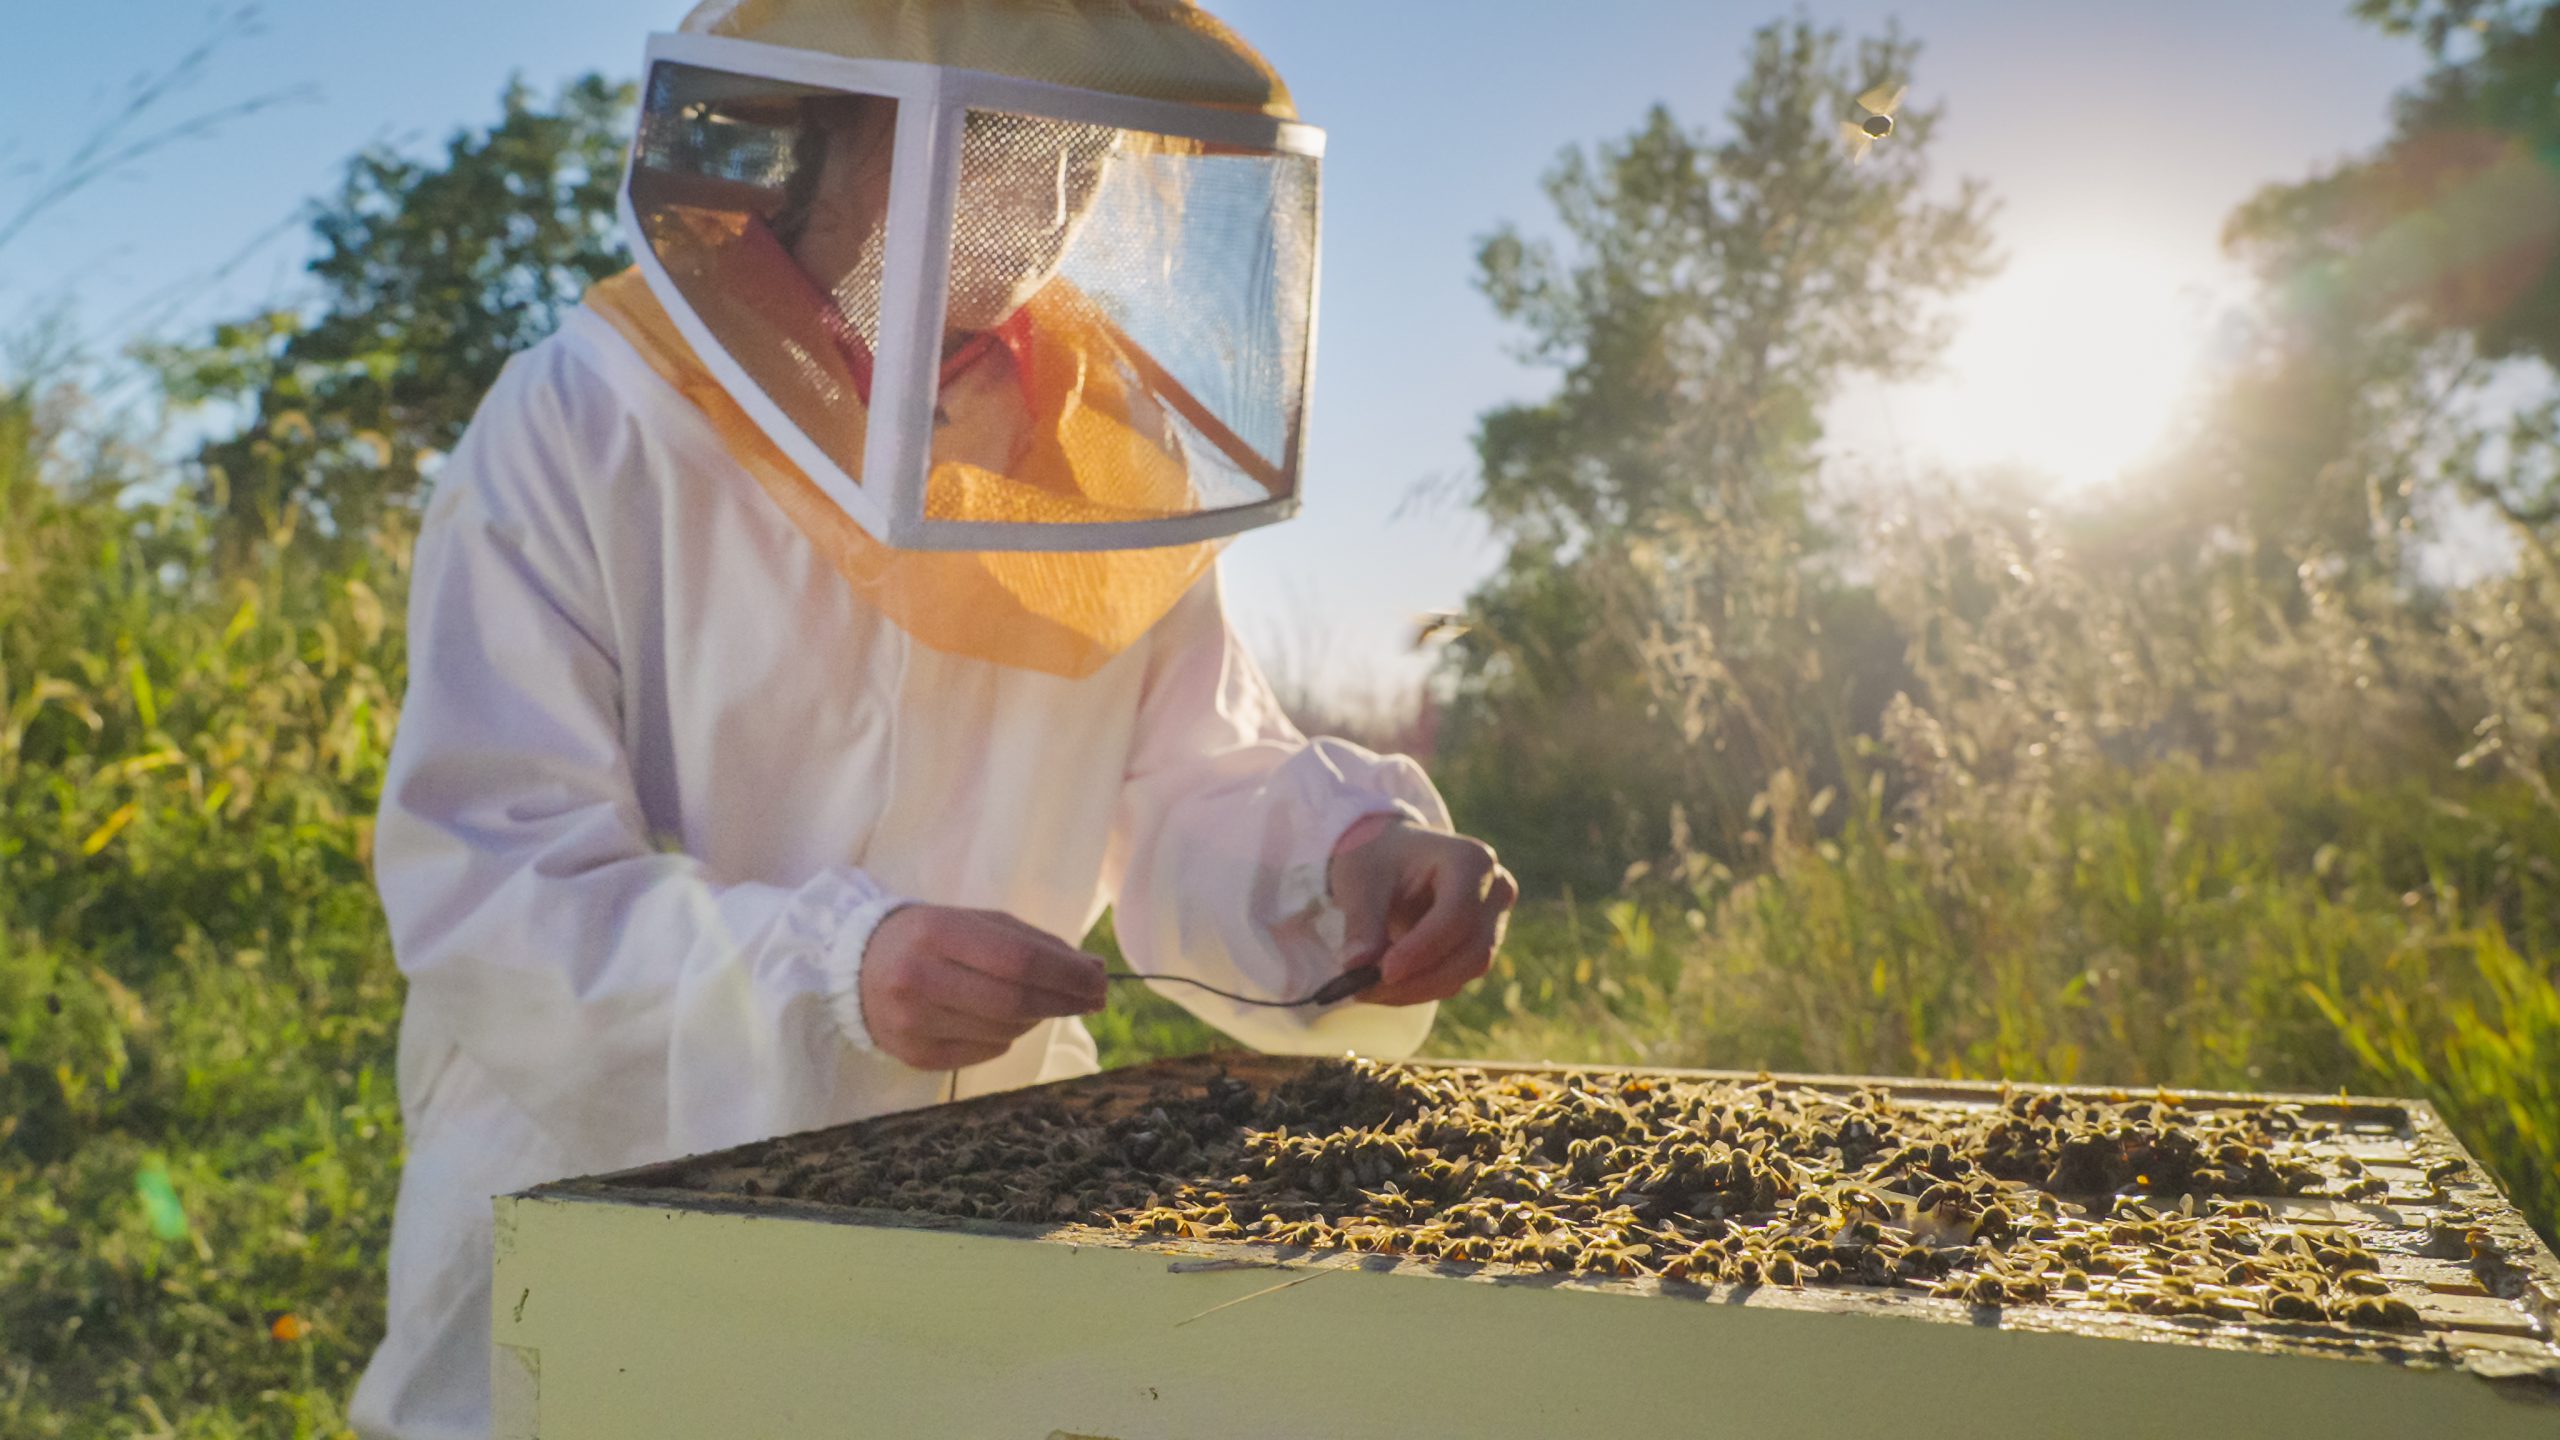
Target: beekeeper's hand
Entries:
(1429, 907)
(944, 987)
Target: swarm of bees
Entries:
(2140, 1205)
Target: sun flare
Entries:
(2072, 364)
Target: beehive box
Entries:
(1246, 1246)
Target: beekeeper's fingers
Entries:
(1003, 948)
(1466, 885)
(958, 985)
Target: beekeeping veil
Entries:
(1008, 303)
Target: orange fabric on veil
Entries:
(1097, 447)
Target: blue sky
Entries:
(2117, 136)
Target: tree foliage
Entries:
(430, 274)
(1705, 297)
(2442, 24)
(2408, 290)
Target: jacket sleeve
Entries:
(629, 1001)
(1227, 819)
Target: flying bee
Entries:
(1435, 627)
(1879, 104)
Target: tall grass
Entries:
(196, 1000)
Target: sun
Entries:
(2072, 364)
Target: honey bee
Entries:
(1438, 627)
(1860, 134)
(2379, 1311)
(2293, 1305)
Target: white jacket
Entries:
(660, 773)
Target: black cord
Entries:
(1341, 987)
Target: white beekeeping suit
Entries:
(699, 694)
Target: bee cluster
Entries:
(2141, 1205)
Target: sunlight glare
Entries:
(2071, 364)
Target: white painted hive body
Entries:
(676, 1300)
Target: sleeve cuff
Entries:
(852, 919)
(1304, 892)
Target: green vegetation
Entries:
(196, 999)
(2206, 785)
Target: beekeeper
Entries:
(822, 629)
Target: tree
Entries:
(1661, 639)
(2403, 284)
(430, 276)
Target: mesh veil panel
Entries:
(1194, 268)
